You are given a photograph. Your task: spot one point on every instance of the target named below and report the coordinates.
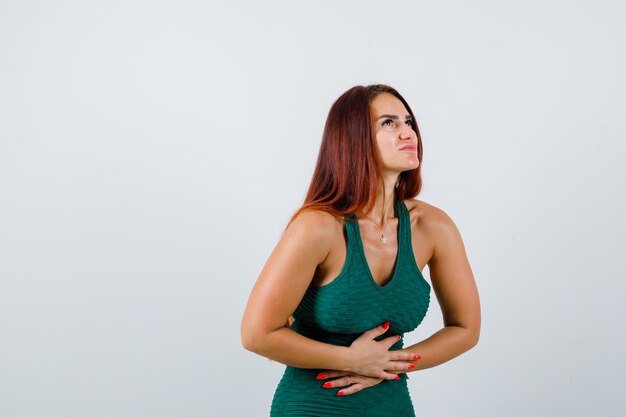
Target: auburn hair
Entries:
(346, 176)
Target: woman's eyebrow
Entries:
(393, 116)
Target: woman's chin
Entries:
(410, 166)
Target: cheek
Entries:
(386, 146)
(385, 141)
(382, 149)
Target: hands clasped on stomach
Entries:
(373, 363)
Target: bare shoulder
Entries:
(440, 230)
(426, 215)
(318, 222)
(318, 228)
(433, 222)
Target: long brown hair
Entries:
(346, 176)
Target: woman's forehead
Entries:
(386, 103)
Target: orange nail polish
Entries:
(399, 337)
(321, 376)
(326, 385)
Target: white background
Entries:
(152, 152)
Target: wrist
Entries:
(346, 360)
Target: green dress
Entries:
(339, 312)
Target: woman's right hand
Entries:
(374, 359)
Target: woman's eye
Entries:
(385, 122)
(408, 122)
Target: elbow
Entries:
(474, 337)
(249, 333)
(472, 332)
(249, 340)
(470, 336)
(474, 341)
(253, 339)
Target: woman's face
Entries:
(396, 139)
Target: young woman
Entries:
(344, 283)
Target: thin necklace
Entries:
(383, 238)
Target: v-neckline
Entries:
(399, 237)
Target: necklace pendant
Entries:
(383, 239)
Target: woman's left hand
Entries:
(348, 383)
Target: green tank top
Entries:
(339, 312)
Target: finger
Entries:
(399, 366)
(390, 341)
(376, 331)
(330, 374)
(339, 382)
(388, 375)
(350, 390)
(401, 355)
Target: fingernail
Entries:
(397, 377)
(339, 394)
(386, 325)
(416, 357)
(326, 385)
(399, 337)
(321, 376)
(411, 366)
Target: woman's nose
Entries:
(406, 132)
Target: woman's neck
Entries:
(384, 205)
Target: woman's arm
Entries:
(455, 288)
(278, 291)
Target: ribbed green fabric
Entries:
(339, 312)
